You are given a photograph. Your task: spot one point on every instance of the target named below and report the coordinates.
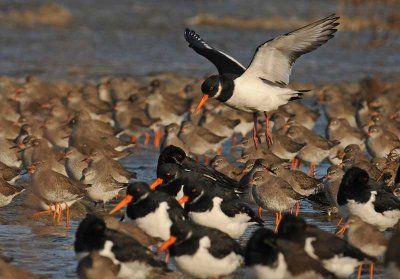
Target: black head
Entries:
(90, 234)
(138, 190)
(182, 230)
(261, 248)
(355, 178)
(172, 154)
(292, 228)
(168, 172)
(193, 191)
(211, 85)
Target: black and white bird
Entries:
(134, 260)
(374, 206)
(202, 252)
(205, 207)
(152, 211)
(262, 87)
(270, 256)
(336, 254)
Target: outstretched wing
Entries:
(274, 59)
(224, 63)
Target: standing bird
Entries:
(262, 87)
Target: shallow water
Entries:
(137, 37)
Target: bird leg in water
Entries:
(67, 215)
(311, 170)
(294, 164)
(255, 131)
(59, 214)
(55, 210)
(259, 211)
(157, 138)
(339, 222)
(233, 140)
(268, 135)
(278, 218)
(45, 212)
(359, 271)
(297, 208)
(146, 138)
(371, 271)
(167, 255)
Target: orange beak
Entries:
(166, 244)
(156, 183)
(202, 101)
(122, 203)
(183, 200)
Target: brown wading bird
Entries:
(262, 87)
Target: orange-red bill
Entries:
(202, 101)
(156, 183)
(122, 203)
(166, 244)
(184, 200)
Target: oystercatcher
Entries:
(262, 87)
(154, 212)
(202, 252)
(273, 257)
(135, 260)
(205, 207)
(374, 206)
(335, 253)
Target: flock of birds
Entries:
(69, 138)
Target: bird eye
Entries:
(168, 174)
(194, 190)
(211, 88)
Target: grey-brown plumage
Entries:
(381, 142)
(221, 164)
(285, 148)
(350, 161)
(265, 154)
(300, 182)
(74, 163)
(200, 139)
(130, 230)
(218, 124)
(95, 266)
(333, 178)
(317, 148)
(170, 137)
(8, 192)
(51, 187)
(8, 173)
(272, 192)
(365, 237)
(355, 150)
(301, 114)
(392, 257)
(340, 129)
(8, 271)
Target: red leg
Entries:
(146, 139)
(359, 271)
(371, 271)
(233, 140)
(259, 211)
(166, 259)
(45, 212)
(255, 132)
(219, 150)
(59, 214)
(340, 222)
(55, 210)
(206, 159)
(291, 210)
(297, 208)
(268, 135)
(67, 215)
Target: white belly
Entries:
(215, 218)
(156, 224)
(203, 265)
(278, 271)
(254, 95)
(367, 213)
